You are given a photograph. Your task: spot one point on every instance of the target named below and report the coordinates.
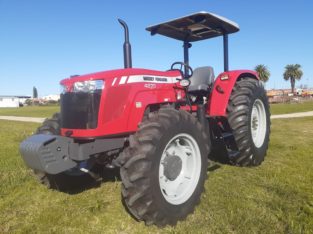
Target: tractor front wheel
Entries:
(164, 168)
(249, 118)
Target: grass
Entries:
(47, 111)
(286, 108)
(30, 111)
(276, 197)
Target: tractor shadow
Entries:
(217, 158)
(213, 167)
(87, 182)
(219, 154)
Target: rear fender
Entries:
(222, 89)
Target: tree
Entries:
(293, 72)
(35, 92)
(263, 72)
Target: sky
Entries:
(43, 42)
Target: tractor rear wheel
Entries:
(164, 168)
(249, 118)
(64, 181)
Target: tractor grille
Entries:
(80, 110)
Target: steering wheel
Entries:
(187, 68)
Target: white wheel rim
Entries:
(179, 169)
(258, 123)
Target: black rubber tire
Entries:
(140, 167)
(239, 110)
(62, 181)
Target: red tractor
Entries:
(159, 127)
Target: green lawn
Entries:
(286, 108)
(47, 111)
(30, 111)
(276, 197)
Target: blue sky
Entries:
(42, 42)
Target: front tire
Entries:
(249, 118)
(164, 168)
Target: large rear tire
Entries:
(65, 181)
(249, 118)
(164, 168)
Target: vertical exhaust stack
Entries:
(126, 47)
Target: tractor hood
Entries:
(112, 74)
(100, 103)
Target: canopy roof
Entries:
(195, 27)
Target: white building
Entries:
(51, 97)
(9, 101)
(22, 99)
(12, 101)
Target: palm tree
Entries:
(293, 72)
(263, 72)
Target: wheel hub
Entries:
(255, 123)
(180, 168)
(258, 123)
(172, 167)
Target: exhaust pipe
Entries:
(126, 46)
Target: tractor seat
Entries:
(201, 80)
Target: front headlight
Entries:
(89, 86)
